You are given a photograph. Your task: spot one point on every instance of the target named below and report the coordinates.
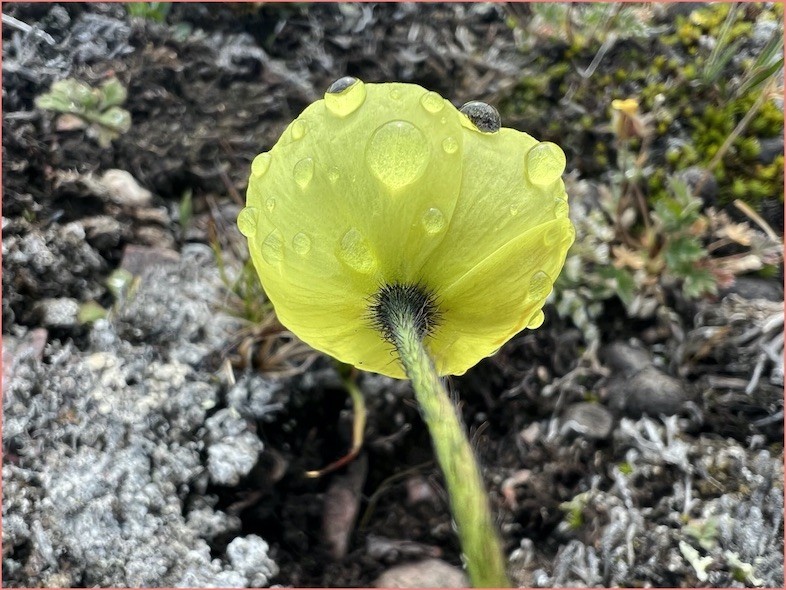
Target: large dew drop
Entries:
(354, 252)
(539, 286)
(247, 221)
(301, 243)
(545, 163)
(433, 221)
(345, 95)
(560, 208)
(298, 129)
(303, 172)
(450, 145)
(260, 165)
(536, 321)
(397, 154)
(483, 116)
(273, 248)
(432, 102)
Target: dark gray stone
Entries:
(755, 288)
(591, 421)
(625, 358)
(648, 392)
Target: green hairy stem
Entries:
(469, 503)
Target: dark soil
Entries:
(203, 104)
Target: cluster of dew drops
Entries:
(545, 163)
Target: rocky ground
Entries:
(158, 421)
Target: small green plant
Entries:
(154, 11)
(122, 285)
(637, 249)
(97, 109)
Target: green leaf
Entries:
(682, 251)
(699, 282)
(91, 311)
(113, 93)
(119, 283)
(760, 76)
(116, 119)
(69, 96)
(625, 285)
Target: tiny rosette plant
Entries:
(385, 187)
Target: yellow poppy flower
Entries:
(381, 185)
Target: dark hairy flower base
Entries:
(398, 304)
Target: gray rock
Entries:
(429, 573)
(62, 312)
(770, 148)
(139, 260)
(755, 288)
(625, 358)
(591, 421)
(103, 232)
(648, 392)
(123, 189)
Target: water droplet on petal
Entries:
(560, 208)
(433, 221)
(537, 320)
(333, 175)
(514, 209)
(450, 145)
(273, 247)
(298, 129)
(260, 164)
(355, 252)
(553, 235)
(270, 204)
(395, 93)
(569, 236)
(432, 102)
(397, 154)
(545, 163)
(539, 286)
(484, 116)
(301, 243)
(345, 95)
(303, 172)
(341, 85)
(247, 221)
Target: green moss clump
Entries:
(693, 100)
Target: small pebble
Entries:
(123, 189)
(591, 421)
(649, 392)
(138, 260)
(624, 357)
(429, 573)
(419, 491)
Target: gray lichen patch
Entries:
(105, 476)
